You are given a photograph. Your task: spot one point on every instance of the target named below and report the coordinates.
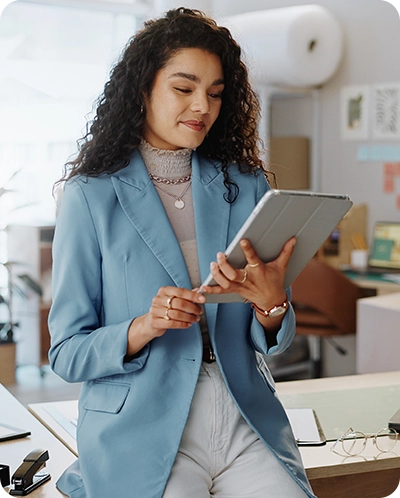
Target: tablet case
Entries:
(278, 216)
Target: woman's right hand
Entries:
(171, 308)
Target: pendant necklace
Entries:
(179, 203)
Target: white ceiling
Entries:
(137, 7)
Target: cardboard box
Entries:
(290, 161)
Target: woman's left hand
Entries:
(260, 283)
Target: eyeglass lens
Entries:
(386, 444)
(354, 442)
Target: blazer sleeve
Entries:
(82, 348)
(284, 337)
(288, 328)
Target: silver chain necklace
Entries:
(179, 203)
(167, 181)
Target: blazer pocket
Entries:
(108, 397)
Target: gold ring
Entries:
(244, 276)
(253, 266)
(166, 317)
(169, 302)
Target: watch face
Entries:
(277, 311)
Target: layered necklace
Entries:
(179, 202)
(168, 169)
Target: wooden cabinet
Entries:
(44, 333)
(7, 363)
(29, 251)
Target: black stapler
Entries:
(27, 477)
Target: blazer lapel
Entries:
(212, 214)
(143, 207)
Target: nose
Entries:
(201, 104)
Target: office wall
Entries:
(372, 41)
(372, 55)
(160, 6)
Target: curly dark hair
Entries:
(116, 130)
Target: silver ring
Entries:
(244, 276)
(253, 266)
(166, 317)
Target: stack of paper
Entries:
(305, 426)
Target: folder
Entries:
(306, 427)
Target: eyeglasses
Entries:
(354, 442)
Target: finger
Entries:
(168, 318)
(224, 274)
(175, 318)
(168, 296)
(287, 251)
(224, 268)
(220, 278)
(250, 253)
(213, 289)
(179, 304)
(231, 275)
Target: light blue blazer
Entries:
(113, 248)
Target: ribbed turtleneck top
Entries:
(172, 165)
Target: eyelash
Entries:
(187, 91)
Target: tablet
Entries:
(278, 216)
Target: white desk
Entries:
(13, 452)
(331, 475)
(373, 283)
(378, 334)
(59, 417)
(336, 364)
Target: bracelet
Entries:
(277, 310)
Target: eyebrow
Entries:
(196, 79)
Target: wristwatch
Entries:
(277, 310)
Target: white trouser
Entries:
(220, 455)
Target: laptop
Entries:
(384, 255)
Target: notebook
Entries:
(384, 255)
(305, 426)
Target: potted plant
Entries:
(7, 338)
(8, 326)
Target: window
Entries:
(54, 62)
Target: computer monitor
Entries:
(385, 246)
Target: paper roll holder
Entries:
(28, 476)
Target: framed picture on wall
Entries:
(354, 113)
(386, 111)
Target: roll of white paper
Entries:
(297, 46)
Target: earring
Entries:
(141, 109)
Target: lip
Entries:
(194, 124)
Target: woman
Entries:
(177, 400)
